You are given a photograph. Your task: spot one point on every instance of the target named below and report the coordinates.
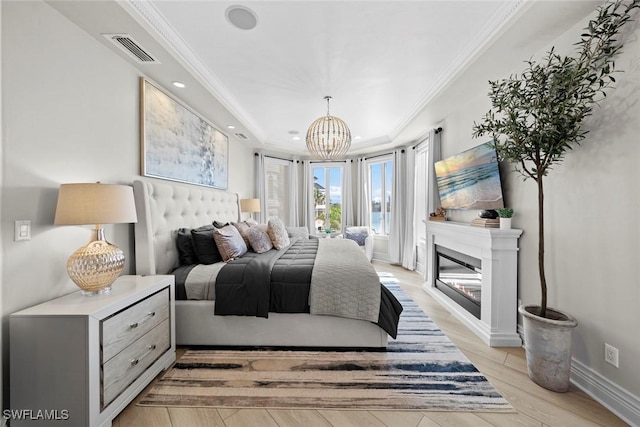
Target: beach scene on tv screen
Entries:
(470, 180)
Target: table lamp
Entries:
(94, 267)
(250, 205)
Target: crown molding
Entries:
(487, 35)
(145, 12)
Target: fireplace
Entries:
(473, 272)
(459, 276)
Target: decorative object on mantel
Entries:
(439, 215)
(505, 215)
(177, 143)
(328, 137)
(94, 267)
(486, 222)
(535, 119)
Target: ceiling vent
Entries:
(241, 136)
(125, 43)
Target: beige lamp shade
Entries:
(250, 205)
(94, 267)
(95, 204)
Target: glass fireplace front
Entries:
(459, 276)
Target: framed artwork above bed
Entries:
(177, 143)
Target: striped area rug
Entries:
(421, 370)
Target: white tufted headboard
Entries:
(163, 208)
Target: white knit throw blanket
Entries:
(343, 282)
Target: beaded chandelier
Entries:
(328, 138)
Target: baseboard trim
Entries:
(615, 398)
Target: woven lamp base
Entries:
(94, 267)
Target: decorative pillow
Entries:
(229, 242)
(218, 224)
(259, 240)
(261, 227)
(301, 232)
(204, 245)
(359, 238)
(251, 222)
(278, 233)
(242, 229)
(184, 243)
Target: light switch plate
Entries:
(22, 230)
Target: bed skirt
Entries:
(197, 325)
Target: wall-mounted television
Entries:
(470, 180)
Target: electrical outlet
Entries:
(611, 354)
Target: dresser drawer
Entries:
(123, 328)
(123, 369)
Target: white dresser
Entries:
(79, 360)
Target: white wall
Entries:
(70, 114)
(592, 199)
(1, 217)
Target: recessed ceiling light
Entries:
(241, 17)
(231, 127)
(296, 138)
(178, 84)
(357, 137)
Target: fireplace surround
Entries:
(491, 253)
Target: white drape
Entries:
(409, 248)
(261, 187)
(347, 200)
(363, 198)
(294, 202)
(433, 155)
(399, 208)
(308, 204)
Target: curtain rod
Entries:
(331, 161)
(380, 155)
(437, 131)
(274, 157)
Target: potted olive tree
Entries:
(535, 118)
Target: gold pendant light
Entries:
(328, 138)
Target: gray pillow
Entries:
(242, 229)
(186, 252)
(205, 247)
(259, 240)
(229, 242)
(300, 232)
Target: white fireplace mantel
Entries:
(498, 251)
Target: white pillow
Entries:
(278, 233)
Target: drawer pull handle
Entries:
(136, 324)
(150, 348)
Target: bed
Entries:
(164, 207)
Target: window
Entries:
(278, 188)
(381, 185)
(327, 196)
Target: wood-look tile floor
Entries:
(504, 367)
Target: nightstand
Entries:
(83, 359)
